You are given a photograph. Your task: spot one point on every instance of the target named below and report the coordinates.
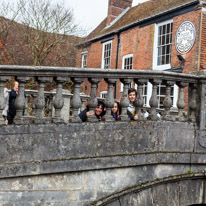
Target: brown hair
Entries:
(132, 90)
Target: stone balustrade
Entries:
(191, 93)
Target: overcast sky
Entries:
(89, 13)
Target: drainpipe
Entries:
(117, 59)
(117, 54)
(200, 41)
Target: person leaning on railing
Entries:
(12, 97)
(99, 112)
(132, 93)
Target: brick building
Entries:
(154, 35)
(15, 50)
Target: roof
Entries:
(18, 49)
(137, 14)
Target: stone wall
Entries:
(79, 163)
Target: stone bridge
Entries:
(153, 161)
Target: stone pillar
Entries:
(168, 101)
(20, 102)
(93, 98)
(181, 101)
(124, 102)
(201, 114)
(58, 100)
(33, 112)
(76, 100)
(40, 102)
(139, 100)
(192, 103)
(50, 105)
(153, 100)
(84, 99)
(109, 102)
(26, 104)
(3, 79)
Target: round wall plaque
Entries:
(185, 37)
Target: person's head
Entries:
(132, 93)
(16, 86)
(116, 108)
(99, 110)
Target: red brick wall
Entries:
(140, 41)
(191, 58)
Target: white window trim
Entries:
(82, 54)
(175, 95)
(155, 50)
(103, 46)
(102, 93)
(123, 58)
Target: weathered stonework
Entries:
(79, 163)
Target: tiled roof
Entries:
(138, 13)
(21, 54)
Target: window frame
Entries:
(103, 94)
(155, 48)
(103, 52)
(123, 66)
(83, 60)
(174, 96)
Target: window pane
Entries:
(107, 55)
(163, 40)
(128, 63)
(164, 29)
(164, 44)
(160, 30)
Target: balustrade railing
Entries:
(190, 87)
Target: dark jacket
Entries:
(12, 109)
(83, 115)
(130, 115)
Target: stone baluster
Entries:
(40, 102)
(51, 98)
(153, 100)
(76, 100)
(192, 103)
(83, 102)
(33, 111)
(201, 113)
(124, 102)
(181, 101)
(168, 101)
(26, 104)
(3, 79)
(109, 102)
(139, 102)
(20, 102)
(93, 98)
(58, 99)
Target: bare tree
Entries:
(44, 35)
(7, 11)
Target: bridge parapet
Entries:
(192, 83)
(78, 163)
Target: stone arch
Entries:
(181, 190)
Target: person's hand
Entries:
(90, 113)
(136, 117)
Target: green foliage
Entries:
(190, 172)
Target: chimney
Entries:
(115, 8)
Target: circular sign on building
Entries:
(185, 37)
